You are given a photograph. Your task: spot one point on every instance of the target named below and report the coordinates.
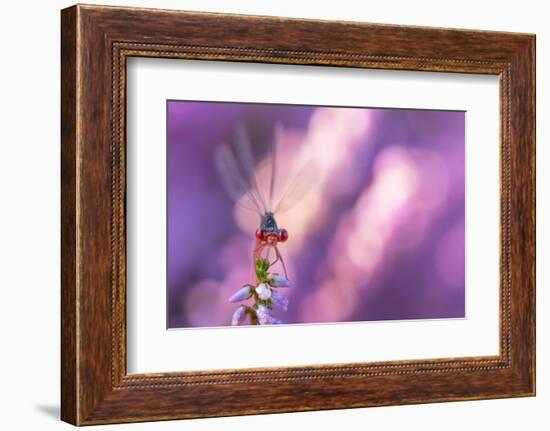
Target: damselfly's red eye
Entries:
(283, 235)
(260, 234)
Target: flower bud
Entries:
(279, 281)
(241, 294)
(239, 316)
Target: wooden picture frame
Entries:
(96, 41)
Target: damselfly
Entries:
(239, 173)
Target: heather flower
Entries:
(279, 281)
(244, 315)
(279, 300)
(263, 291)
(239, 315)
(265, 298)
(241, 294)
(264, 316)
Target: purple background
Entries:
(379, 236)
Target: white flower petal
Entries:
(263, 291)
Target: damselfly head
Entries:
(269, 231)
(272, 238)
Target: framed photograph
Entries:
(317, 215)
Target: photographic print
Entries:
(294, 214)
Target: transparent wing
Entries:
(235, 182)
(273, 164)
(246, 161)
(237, 171)
(298, 187)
